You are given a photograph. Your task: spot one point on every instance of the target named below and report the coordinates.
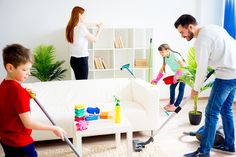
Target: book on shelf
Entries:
(103, 63)
(96, 63)
(99, 63)
(118, 43)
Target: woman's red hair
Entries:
(74, 20)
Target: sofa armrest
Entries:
(146, 95)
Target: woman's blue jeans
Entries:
(220, 102)
(180, 95)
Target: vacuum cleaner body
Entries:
(139, 145)
(219, 136)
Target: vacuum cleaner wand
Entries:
(126, 66)
(138, 145)
(53, 123)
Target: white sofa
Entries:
(139, 102)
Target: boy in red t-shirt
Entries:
(15, 121)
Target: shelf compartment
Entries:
(139, 38)
(102, 58)
(124, 38)
(105, 39)
(141, 73)
(141, 54)
(122, 57)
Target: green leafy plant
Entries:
(189, 74)
(45, 66)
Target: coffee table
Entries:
(105, 127)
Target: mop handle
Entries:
(131, 72)
(33, 95)
(149, 61)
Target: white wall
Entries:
(32, 23)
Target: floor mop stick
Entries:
(53, 123)
(149, 61)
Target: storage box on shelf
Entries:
(119, 46)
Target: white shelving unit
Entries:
(136, 45)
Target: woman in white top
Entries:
(78, 36)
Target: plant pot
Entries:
(195, 118)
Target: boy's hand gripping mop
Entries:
(33, 96)
(138, 145)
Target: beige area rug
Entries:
(151, 150)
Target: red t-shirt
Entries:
(13, 100)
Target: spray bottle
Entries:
(117, 110)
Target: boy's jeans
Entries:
(180, 95)
(26, 151)
(219, 102)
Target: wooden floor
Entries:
(171, 141)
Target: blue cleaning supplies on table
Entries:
(93, 110)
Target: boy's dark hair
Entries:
(185, 20)
(16, 55)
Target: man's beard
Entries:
(190, 36)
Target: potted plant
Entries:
(45, 66)
(188, 77)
